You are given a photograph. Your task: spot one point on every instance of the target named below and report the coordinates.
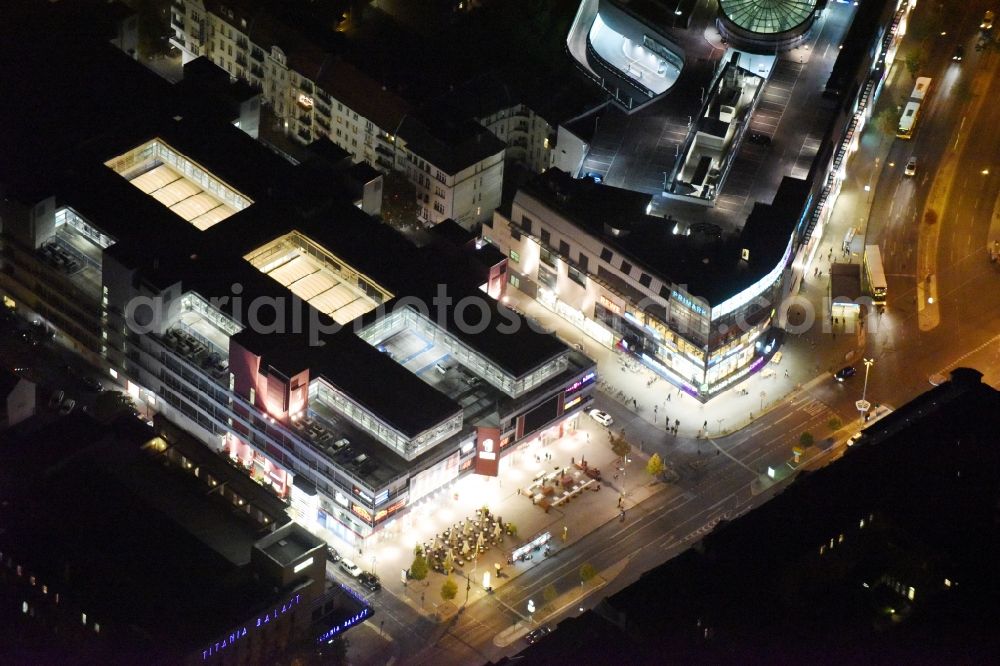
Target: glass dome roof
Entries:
(767, 16)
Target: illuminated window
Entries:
(24, 606)
(83, 618)
(114, 373)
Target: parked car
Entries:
(67, 407)
(92, 384)
(959, 53)
(538, 634)
(56, 399)
(370, 581)
(350, 568)
(332, 554)
(601, 417)
(846, 372)
(442, 367)
(853, 439)
(911, 167)
(595, 176)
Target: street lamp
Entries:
(763, 394)
(863, 405)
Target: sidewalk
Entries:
(578, 516)
(558, 605)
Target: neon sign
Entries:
(580, 383)
(572, 402)
(242, 632)
(330, 633)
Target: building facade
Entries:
(592, 255)
(314, 93)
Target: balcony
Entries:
(304, 135)
(323, 124)
(382, 150)
(257, 71)
(257, 54)
(242, 43)
(241, 60)
(384, 163)
(306, 120)
(177, 21)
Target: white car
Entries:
(350, 568)
(601, 417)
(987, 23)
(911, 167)
(853, 439)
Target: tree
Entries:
(834, 423)
(655, 465)
(399, 201)
(154, 28)
(549, 594)
(887, 120)
(448, 589)
(449, 564)
(112, 404)
(914, 62)
(806, 439)
(418, 569)
(587, 572)
(620, 445)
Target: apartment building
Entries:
(455, 164)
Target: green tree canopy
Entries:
(620, 445)
(448, 589)
(418, 568)
(806, 439)
(587, 571)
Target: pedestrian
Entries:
(786, 372)
(635, 403)
(668, 397)
(705, 424)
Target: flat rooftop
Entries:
(708, 261)
(288, 543)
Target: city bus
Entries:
(875, 274)
(908, 121)
(911, 112)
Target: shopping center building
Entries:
(697, 308)
(341, 365)
(692, 290)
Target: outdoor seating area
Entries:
(549, 489)
(196, 351)
(466, 540)
(59, 257)
(317, 433)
